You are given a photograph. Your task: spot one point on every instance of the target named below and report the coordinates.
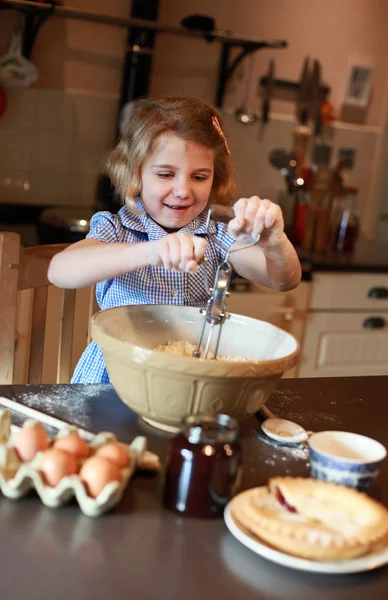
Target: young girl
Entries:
(171, 161)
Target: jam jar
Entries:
(203, 467)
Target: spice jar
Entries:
(204, 466)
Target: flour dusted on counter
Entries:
(283, 452)
(73, 400)
(281, 402)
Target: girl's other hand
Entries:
(178, 252)
(257, 217)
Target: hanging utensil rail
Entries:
(229, 40)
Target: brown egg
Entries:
(73, 444)
(116, 452)
(96, 472)
(56, 464)
(29, 440)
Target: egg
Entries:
(116, 452)
(96, 472)
(55, 464)
(29, 440)
(73, 444)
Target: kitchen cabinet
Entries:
(350, 291)
(340, 320)
(346, 329)
(287, 310)
(340, 344)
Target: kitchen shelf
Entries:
(37, 13)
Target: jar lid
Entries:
(73, 218)
(210, 429)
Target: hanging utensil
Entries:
(16, 72)
(284, 160)
(243, 114)
(267, 95)
(316, 98)
(304, 94)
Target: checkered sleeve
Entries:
(224, 237)
(105, 227)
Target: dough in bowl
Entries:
(181, 348)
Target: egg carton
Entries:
(18, 478)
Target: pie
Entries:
(312, 519)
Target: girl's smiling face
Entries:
(176, 181)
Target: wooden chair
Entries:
(43, 329)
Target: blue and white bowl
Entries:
(346, 458)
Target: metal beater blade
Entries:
(215, 313)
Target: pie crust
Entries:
(312, 519)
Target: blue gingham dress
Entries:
(149, 284)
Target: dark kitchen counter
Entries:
(368, 257)
(141, 550)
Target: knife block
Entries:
(316, 228)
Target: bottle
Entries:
(346, 221)
(204, 466)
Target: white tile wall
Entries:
(15, 150)
(15, 185)
(50, 188)
(51, 152)
(54, 111)
(52, 143)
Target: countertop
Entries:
(367, 257)
(142, 551)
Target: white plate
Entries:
(354, 565)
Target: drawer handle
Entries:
(374, 323)
(380, 293)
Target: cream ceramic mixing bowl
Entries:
(163, 388)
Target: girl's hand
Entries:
(258, 218)
(178, 252)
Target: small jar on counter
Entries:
(204, 466)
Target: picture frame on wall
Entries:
(359, 85)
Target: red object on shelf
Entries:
(328, 112)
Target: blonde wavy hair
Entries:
(187, 117)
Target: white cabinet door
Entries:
(342, 344)
(350, 291)
(286, 310)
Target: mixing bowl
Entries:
(163, 388)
